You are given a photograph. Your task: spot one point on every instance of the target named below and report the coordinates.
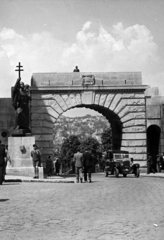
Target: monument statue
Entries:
(20, 102)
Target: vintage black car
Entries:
(118, 162)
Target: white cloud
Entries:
(83, 36)
(7, 33)
(95, 49)
(9, 49)
(86, 26)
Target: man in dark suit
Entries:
(76, 69)
(78, 159)
(150, 164)
(88, 164)
(57, 166)
(2, 162)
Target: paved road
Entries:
(109, 208)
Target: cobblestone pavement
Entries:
(109, 208)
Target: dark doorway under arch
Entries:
(153, 139)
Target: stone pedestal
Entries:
(20, 132)
(19, 149)
(24, 171)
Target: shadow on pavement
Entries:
(13, 180)
(67, 175)
(3, 200)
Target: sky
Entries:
(96, 35)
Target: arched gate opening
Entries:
(153, 140)
(113, 119)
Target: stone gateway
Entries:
(118, 96)
(135, 112)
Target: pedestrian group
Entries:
(83, 165)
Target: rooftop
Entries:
(77, 78)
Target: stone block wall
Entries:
(7, 119)
(155, 113)
(129, 107)
(75, 78)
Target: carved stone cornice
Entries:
(102, 89)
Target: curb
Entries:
(42, 181)
(17, 179)
(152, 176)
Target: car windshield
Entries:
(121, 156)
(117, 156)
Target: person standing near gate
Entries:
(36, 158)
(78, 159)
(150, 164)
(57, 166)
(88, 164)
(49, 166)
(162, 161)
(2, 162)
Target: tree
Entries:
(69, 147)
(106, 139)
(92, 145)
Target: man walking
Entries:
(88, 164)
(2, 162)
(78, 159)
(36, 158)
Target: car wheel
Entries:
(116, 172)
(124, 174)
(137, 174)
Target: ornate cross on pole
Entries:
(19, 70)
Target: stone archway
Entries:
(153, 141)
(124, 109)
